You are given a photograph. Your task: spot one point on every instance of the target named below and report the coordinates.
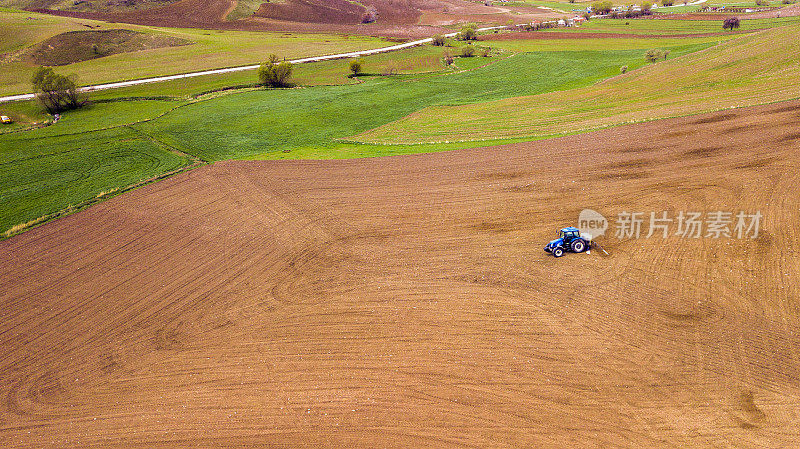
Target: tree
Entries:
(275, 74)
(623, 69)
(467, 33)
(646, 6)
(654, 54)
(56, 93)
(667, 2)
(468, 51)
(602, 7)
(730, 23)
(356, 66)
(448, 58)
(438, 40)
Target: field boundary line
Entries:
(71, 209)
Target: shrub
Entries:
(356, 66)
(467, 33)
(786, 2)
(623, 69)
(448, 58)
(275, 74)
(467, 51)
(653, 55)
(438, 40)
(646, 6)
(667, 2)
(56, 93)
(730, 23)
(762, 3)
(486, 52)
(370, 15)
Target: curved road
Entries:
(240, 68)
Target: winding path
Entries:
(157, 79)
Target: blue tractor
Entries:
(569, 239)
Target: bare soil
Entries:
(396, 18)
(407, 302)
(75, 46)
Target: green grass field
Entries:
(599, 44)
(62, 165)
(526, 90)
(42, 175)
(674, 26)
(209, 49)
(265, 122)
(752, 69)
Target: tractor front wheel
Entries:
(558, 252)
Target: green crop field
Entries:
(752, 69)
(597, 44)
(87, 153)
(208, 49)
(55, 173)
(674, 26)
(528, 89)
(263, 122)
(266, 123)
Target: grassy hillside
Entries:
(262, 122)
(21, 31)
(752, 69)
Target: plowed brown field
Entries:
(407, 302)
(396, 18)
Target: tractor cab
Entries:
(567, 235)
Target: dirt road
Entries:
(407, 302)
(353, 54)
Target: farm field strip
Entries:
(752, 69)
(289, 120)
(667, 26)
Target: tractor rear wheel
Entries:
(578, 246)
(558, 252)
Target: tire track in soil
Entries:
(405, 301)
